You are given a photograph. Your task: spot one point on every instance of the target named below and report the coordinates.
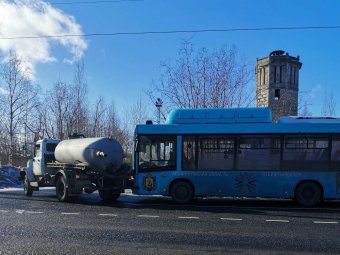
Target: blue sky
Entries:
(121, 67)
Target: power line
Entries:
(78, 3)
(94, 2)
(173, 32)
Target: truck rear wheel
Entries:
(61, 189)
(27, 187)
(108, 195)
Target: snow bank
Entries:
(9, 177)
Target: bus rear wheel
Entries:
(182, 192)
(308, 194)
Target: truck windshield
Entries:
(37, 150)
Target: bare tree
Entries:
(59, 102)
(46, 126)
(18, 99)
(304, 103)
(100, 109)
(304, 109)
(67, 110)
(111, 122)
(204, 79)
(138, 113)
(80, 99)
(115, 129)
(329, 105)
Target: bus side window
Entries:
(308, 152)
(336, 148)
(216, 152)
(189, 153)
(335, 154)
(258, 152)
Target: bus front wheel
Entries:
(308, 194)
(182, 192)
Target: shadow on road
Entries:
(260, 206)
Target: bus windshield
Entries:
(156, 153)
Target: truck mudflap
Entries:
(128, 182)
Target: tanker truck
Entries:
(75, 166)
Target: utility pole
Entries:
(159, 104)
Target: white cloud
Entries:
(315, 91)
(37, 18)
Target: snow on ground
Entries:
(9, 177)
(20, 188)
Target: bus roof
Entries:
(248, 128)
(238, 121)
(220, 116)
(309, 119)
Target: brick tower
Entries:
(277, 83)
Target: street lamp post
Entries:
(159, 104)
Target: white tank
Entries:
(100, 153)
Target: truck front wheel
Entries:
(61, 189)
(27, 187)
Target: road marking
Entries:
(108, 214)
(65, 213)
(325, 222)
(20, 211)
(285, 221)
(230, 206)
(147, 216)
(188, 217)
(3, 211)
(231, 219)
(32, 212)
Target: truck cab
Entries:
(36, 167)
(43, 154)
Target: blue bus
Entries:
(238, 153)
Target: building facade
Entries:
(277, 83)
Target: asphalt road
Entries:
(155, 225)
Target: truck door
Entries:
(38, 160)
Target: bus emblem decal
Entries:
(245, 182)
(149, 182)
